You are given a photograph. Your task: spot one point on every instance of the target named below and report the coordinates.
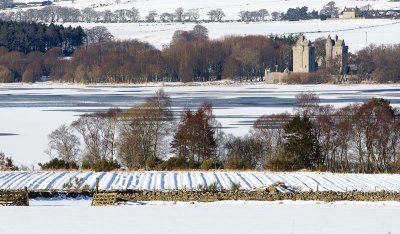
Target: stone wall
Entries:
(208, 196)
(212, 196)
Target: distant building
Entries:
(337, 53)
(350, 13)
(303, 56)
(304, 60)
(275, 77)
(40, 3)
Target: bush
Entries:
(234, 163)
(101, 165)
(207, 165)
(153, 162)
(235, 186)
(59, 164)
(173, 163)
(213, 186)
(193, 164)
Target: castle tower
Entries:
(336, 53)
(303, 56)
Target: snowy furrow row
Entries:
(304, 181)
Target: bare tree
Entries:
(89, 14)
(200, 32)
(98, 34)
(166, 17)
(99, 133)
(143, 131)
(108, 16)
(120, 15)
(330, 10)
(307, 103)
(63, 144)
(275, 16)
(264, 14)
(216, 15)
(193, 15)
(245, 16)
(179, 14)
(151, 17)
(133, 14)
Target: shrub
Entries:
(153, 162)
(207, 165)
(213, 186)
(74, 183)
(234, 163)
(106, 165)
(173, 163)
(235, 186)
(193, 164)
(101, 165)
(59, 164)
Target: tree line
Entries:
(189, 57)
(16, 66)
(27, 37)
(57, 14)
(362, 138)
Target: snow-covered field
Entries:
(357, 33)
(48, 217)
(31, 112)
(151, 180)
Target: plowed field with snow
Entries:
(304, 181)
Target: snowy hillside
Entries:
(192, 180)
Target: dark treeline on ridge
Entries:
(363, 138)
(26, 37)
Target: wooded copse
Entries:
(362, 138)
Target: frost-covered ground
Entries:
(31, 112)
(357, 33)
(70, 216)
(151, 180)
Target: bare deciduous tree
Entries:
(216, 15)
(151, 17)
(98, 34)
(63, 144)
(330, 10)
(143, 131)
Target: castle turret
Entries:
(336, 53)
(303, 56)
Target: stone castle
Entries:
(336, 52)
(304, 58)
